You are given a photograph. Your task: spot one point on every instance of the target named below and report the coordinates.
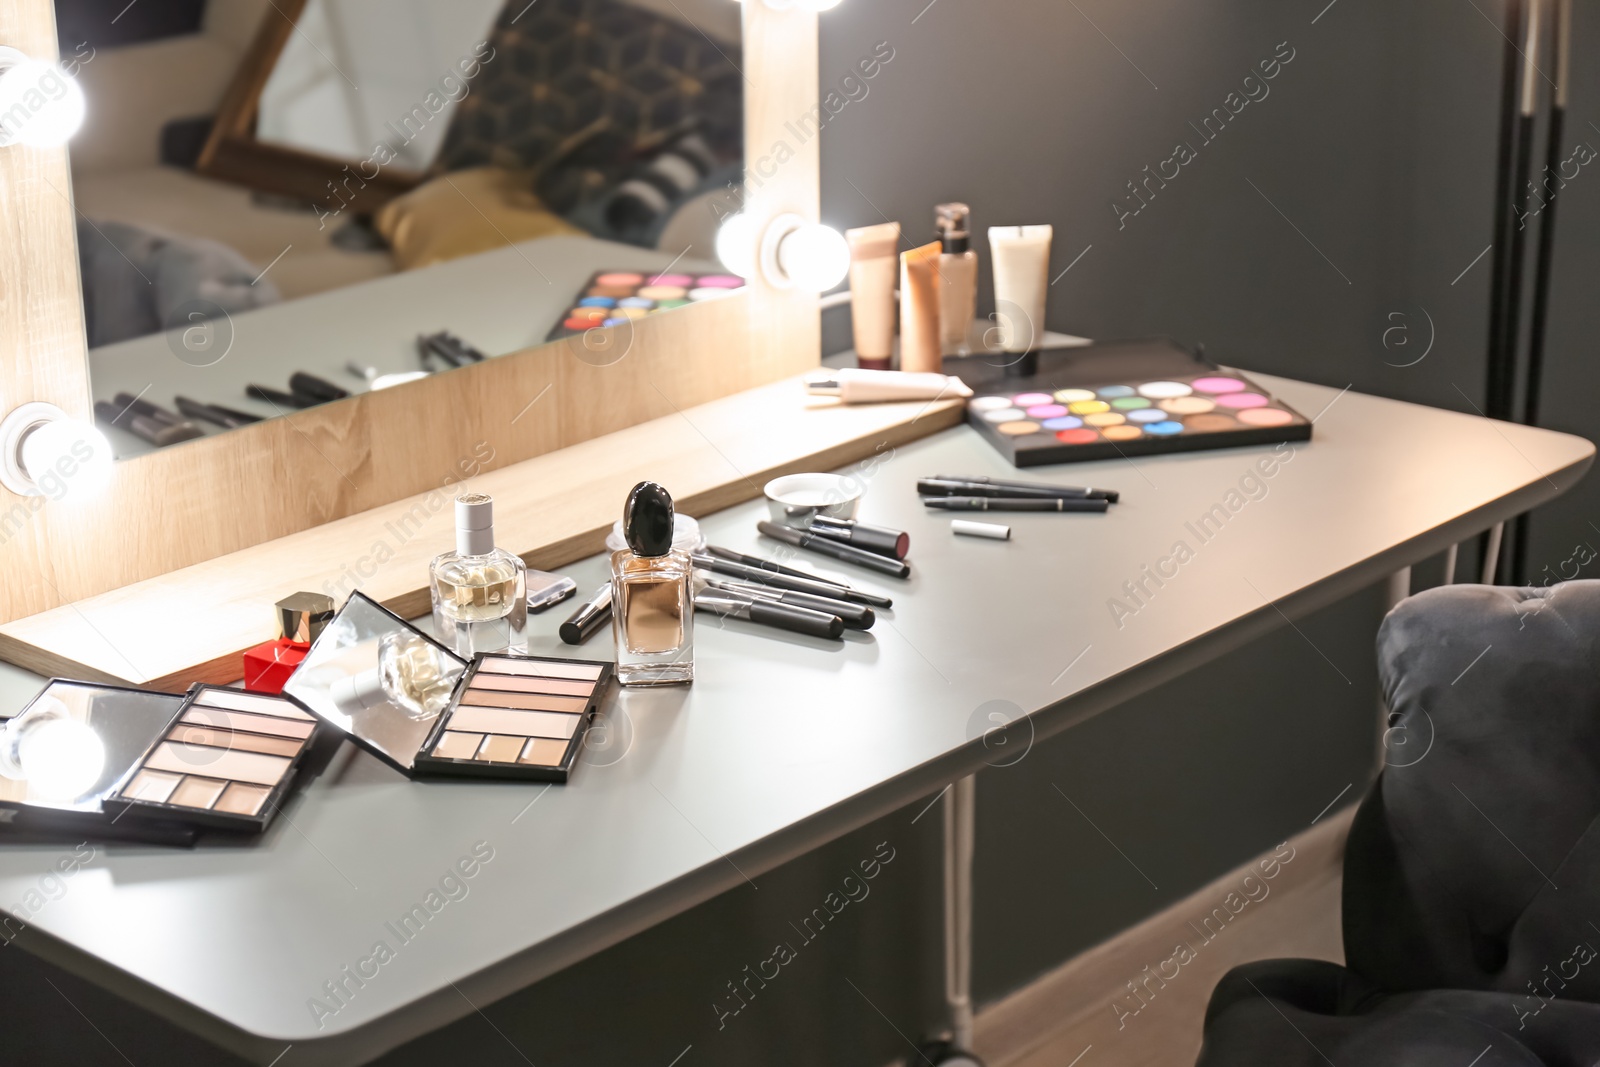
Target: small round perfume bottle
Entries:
(479, 591)
(653, 601)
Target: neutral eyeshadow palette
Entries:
(614, 297)
(518, 716)
(120, 763)
(425, 711)
(225, 762)
(1121, 399)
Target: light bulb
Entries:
(41, 105)
(814, 257)
(803, 5)
(736, 244)
(67, 457)
(59, 757)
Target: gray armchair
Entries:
(1472, 873)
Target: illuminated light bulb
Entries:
(62, 758)
(814, 257)
(736, 243)
(59, 757)
(74, 453)
(803, 5)
(41, 105)
(44, 452)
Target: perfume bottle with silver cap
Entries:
(479, 591)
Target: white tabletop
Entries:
(783, 742)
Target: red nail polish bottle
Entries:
(301, 618)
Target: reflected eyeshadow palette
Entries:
(225, 762)
(1121, 399)
(518, 716)
(614, 297)
(128, 764)
(428, 713)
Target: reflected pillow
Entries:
(463, 213)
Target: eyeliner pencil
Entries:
(854, 616)
(987, 503)
(1023, 488)
(768, 565)
(842, 552)
(787, 581)
(780, 616)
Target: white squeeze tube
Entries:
(1021, 283)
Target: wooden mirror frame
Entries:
(179, 507)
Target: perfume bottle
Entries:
(652, 615)
(958, 279)
(479, 591)
(301, 620)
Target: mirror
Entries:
(283, 202)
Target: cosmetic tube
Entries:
(874, 266)
(1021, 283)
(595, 613)
(958, 278)
(855, 386)
(920, 351)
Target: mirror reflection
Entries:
(282, 203)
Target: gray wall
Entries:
(1377, 143)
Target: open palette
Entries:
(428, 713)
(614, 297)
(225, 762)
(518, 712)
(88, 758)
(1118, 399)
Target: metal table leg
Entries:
(960, 826)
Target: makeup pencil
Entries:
(951, 485)
(854, 616)
(986, 503)
(788, 581)
(842, 552)
(781, 616)
(768, 565)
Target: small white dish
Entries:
(796, 499)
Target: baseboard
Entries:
(1117, 989)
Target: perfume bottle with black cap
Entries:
(652, 595)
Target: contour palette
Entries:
(226, 761)
(519, 714)
(1127, 398)
(615, 297)
(412, 703)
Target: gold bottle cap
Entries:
(303, 616)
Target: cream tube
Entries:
(855, 386)
(874, 267)
(920, 348)
(1021, 284)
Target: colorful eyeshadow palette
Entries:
(226, 762)
(1121, 399)
(428, 713)
(614, 297)
(518, 716)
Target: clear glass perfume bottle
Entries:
(652, 615)
(479, 591)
